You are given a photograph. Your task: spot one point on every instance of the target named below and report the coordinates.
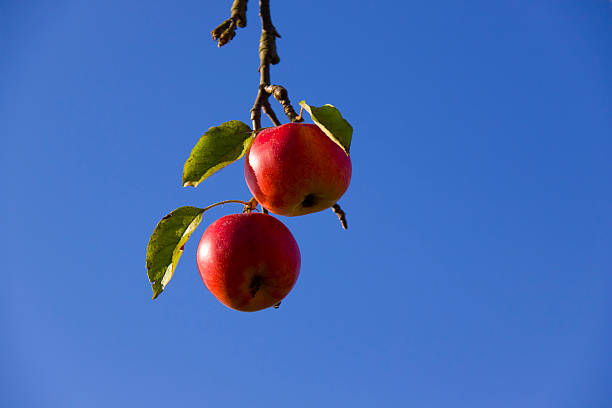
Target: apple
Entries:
(248, 261)
(296, 169)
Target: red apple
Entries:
(296, 169)
(248, 261)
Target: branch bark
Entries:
(281, 95)
(269, 56)
(226, 30)
(341, 215)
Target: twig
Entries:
(341, 215)
(281, 95)
(269, 56)
(267, 109)
(250, 206)
(226, 30)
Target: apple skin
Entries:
(296, 169)
(248, 261)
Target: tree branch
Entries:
(269, 56)
(281, 95)
(267, 109)
(226, 30)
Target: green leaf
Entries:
(166, 245)
(220, 146)
(331, 122)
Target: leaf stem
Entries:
(224, 202)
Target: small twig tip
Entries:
(341, 215)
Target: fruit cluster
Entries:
(251, 261)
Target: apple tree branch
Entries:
(269, 56)
(226, 30)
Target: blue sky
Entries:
(476, 271)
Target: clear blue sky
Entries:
(477, 268)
